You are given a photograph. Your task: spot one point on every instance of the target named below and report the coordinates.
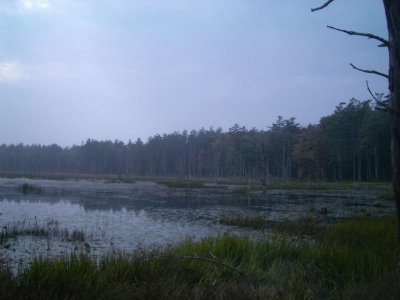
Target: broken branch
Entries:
(322, 6)
(385, 43)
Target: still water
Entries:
(118, 217)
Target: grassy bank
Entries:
(351, 260)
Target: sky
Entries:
(126, 69)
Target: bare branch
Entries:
(212, 255)
(385, 43)
(322, 6)
(384, 105)
(370, 71)
(214, 261)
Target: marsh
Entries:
(122, 217)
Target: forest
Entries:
(353, 143)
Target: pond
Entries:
(100, 217)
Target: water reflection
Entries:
(122, 217)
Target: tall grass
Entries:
(351, 260)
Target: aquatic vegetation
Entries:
(244, 220)
(27, 188)
(120, 179)
(386, 196)
(177, 184)
(241, 190)
(306, 225)
(368, 212)
(49, 229)
(323, 210)
(352, 260)
(76, 235)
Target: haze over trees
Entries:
(353, 143)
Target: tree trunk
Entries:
(354, 162)
(376, 164)
(340, 175)
(392, 9)
(359, 174)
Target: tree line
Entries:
(353, 143)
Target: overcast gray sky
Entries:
(124, 69)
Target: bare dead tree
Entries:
(392, 11)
